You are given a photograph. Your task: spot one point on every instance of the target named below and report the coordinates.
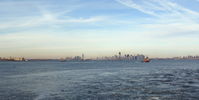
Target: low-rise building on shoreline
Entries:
(13, 59)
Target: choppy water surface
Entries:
(100, 80)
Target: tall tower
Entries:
(82, 56)
(119, 55)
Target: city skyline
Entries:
(54, 29)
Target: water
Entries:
(100, 80)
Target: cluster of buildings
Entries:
(76, 58)
(119, 57)
(125, 57)
(187, 57)
(13, 59)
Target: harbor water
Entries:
(100, 80)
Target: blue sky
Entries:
(59, 28)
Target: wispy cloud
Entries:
(161, 8)
(168, 17)
(48, 19)
(132, 4)
(34, 14)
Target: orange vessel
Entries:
(146, 60)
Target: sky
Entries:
(61, 28)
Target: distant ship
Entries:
(146, 60)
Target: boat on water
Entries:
(146, 60)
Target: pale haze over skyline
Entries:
(60, 28)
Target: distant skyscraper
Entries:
(82, 56)
(120, 55)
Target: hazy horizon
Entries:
(62, 28)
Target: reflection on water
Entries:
(158, 80)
